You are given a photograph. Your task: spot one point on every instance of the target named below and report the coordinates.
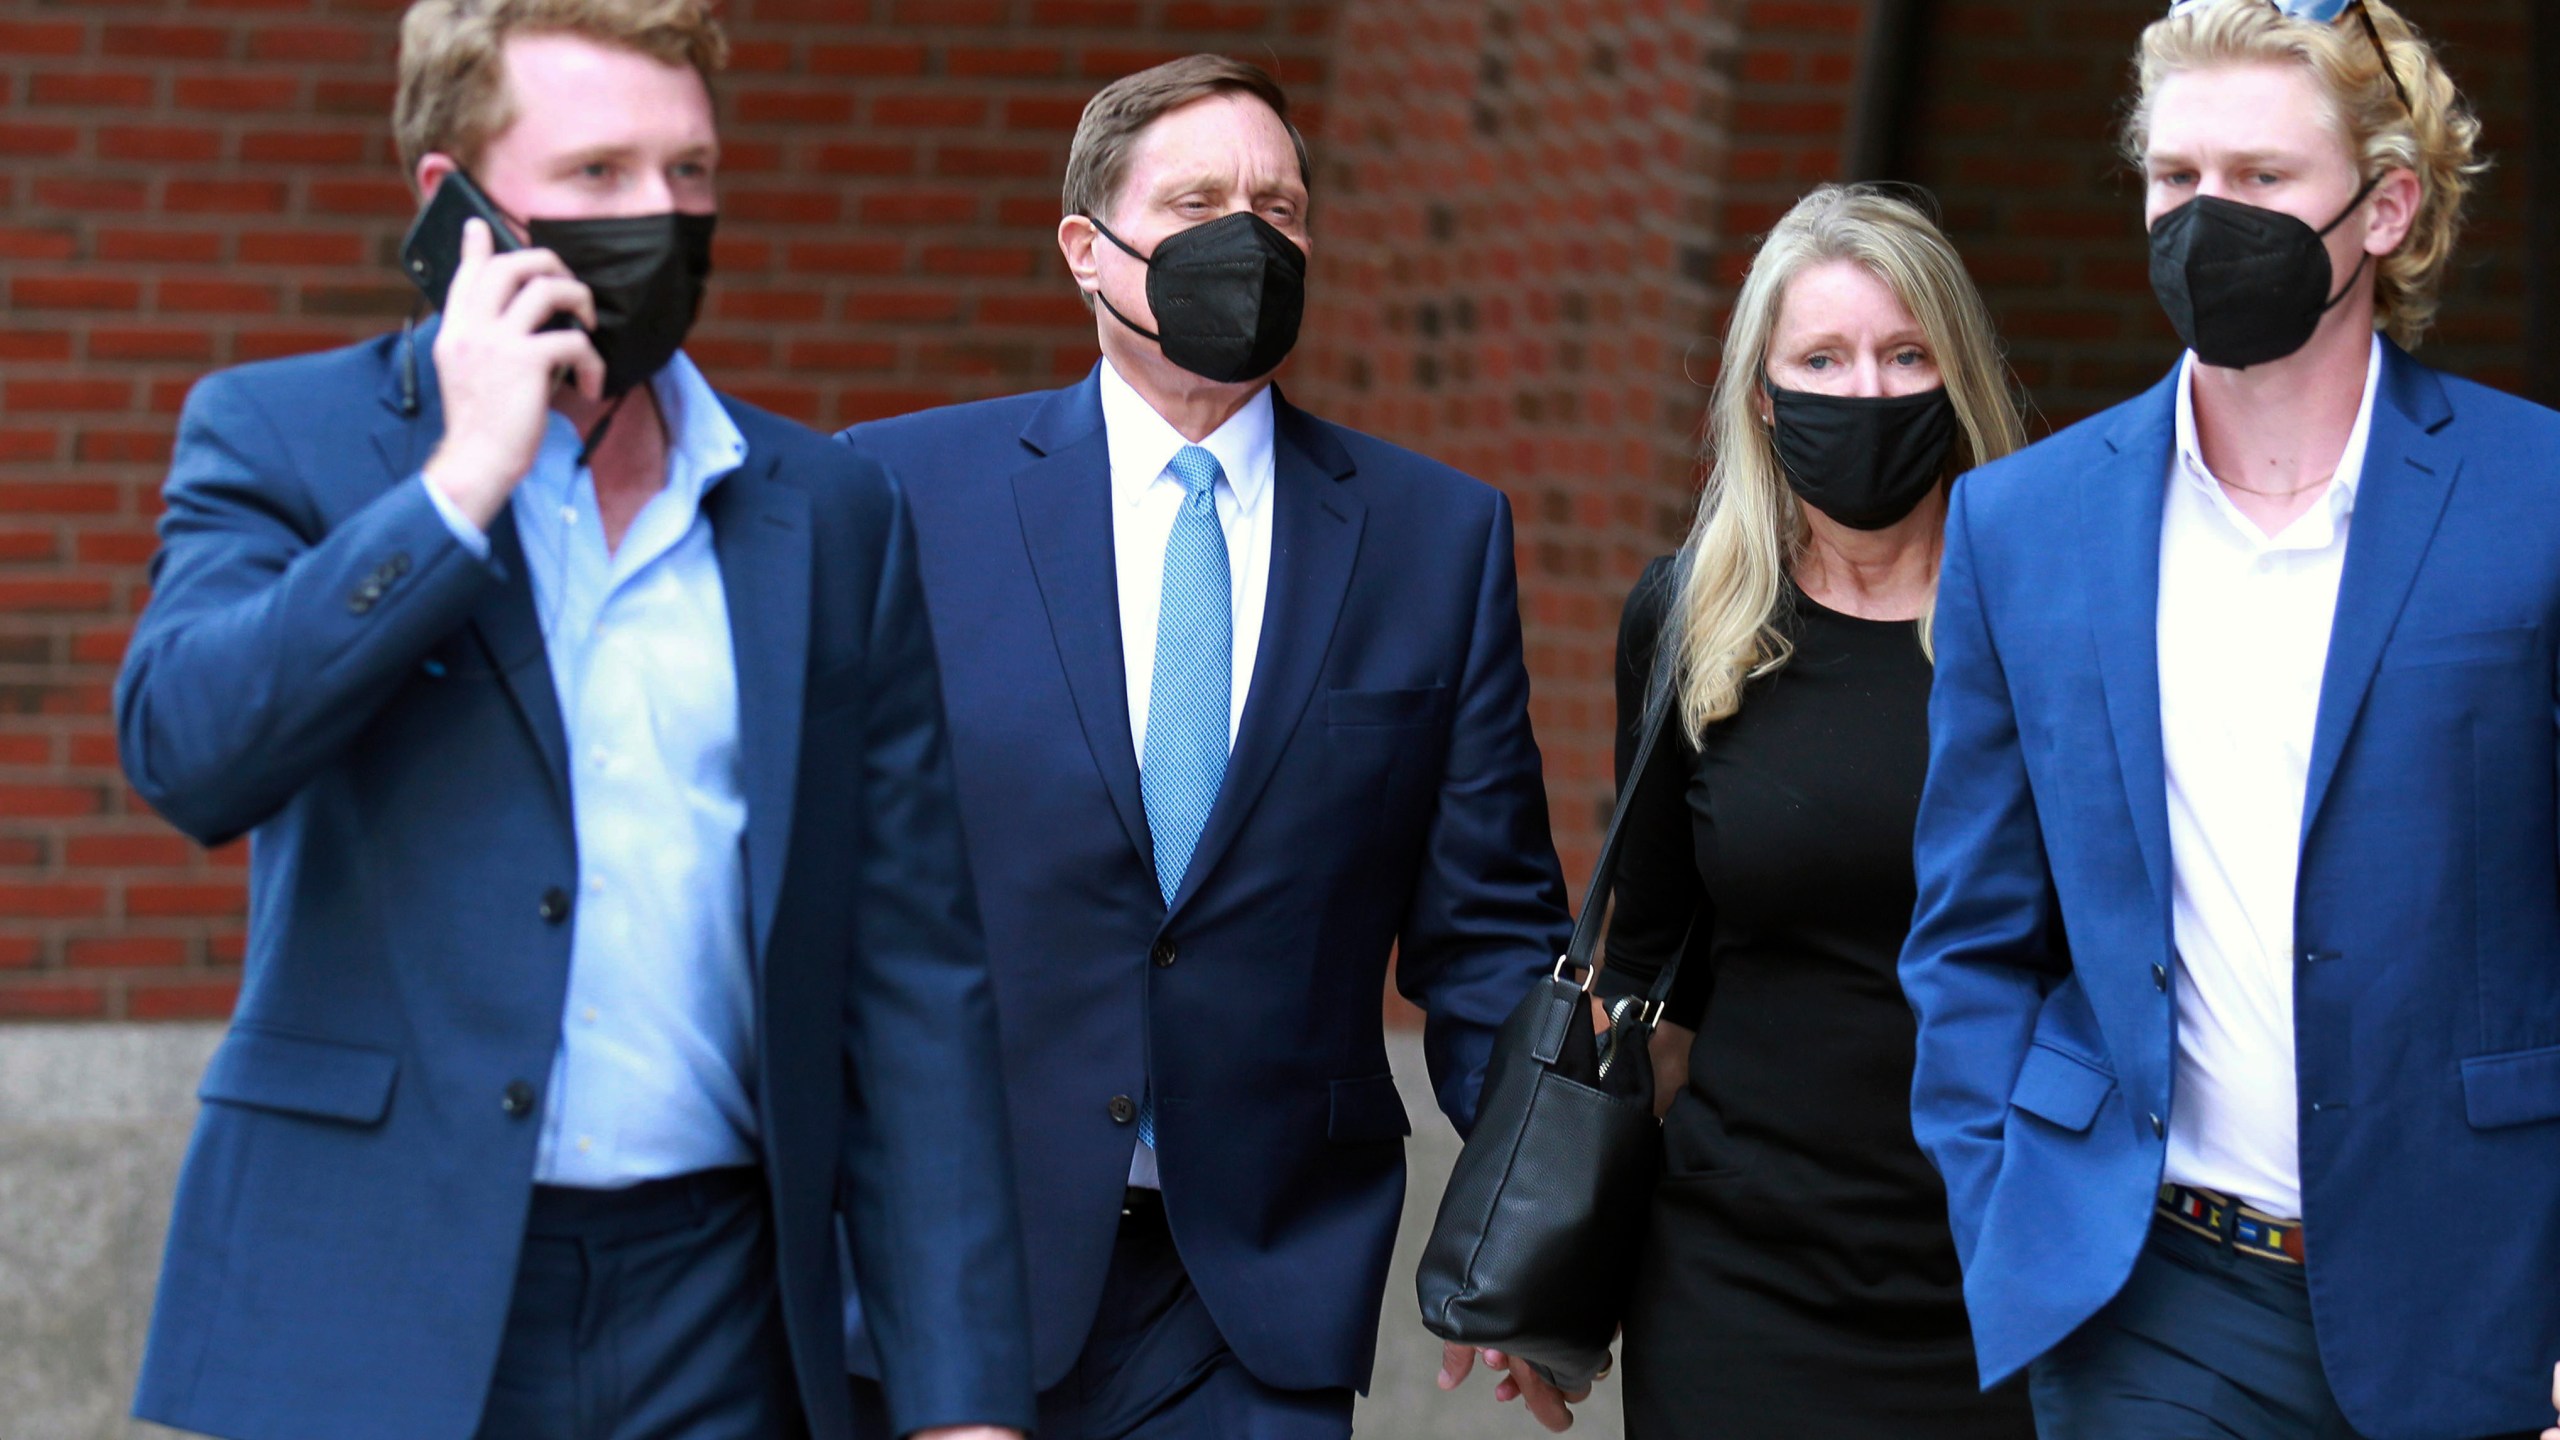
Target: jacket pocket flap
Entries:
(2462, 647)
(301, 1077)
(1367, 1109)
(2060, 1087)
(1382, 707)
(2516, 1088)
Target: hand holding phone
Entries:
(501, 352)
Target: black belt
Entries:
(651, 1207)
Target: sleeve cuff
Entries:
(470, 536)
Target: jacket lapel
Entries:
(1063, 500)
(2120, 512)
(509, 632)
(760, 528)
(1316, 523)
(2408, 475)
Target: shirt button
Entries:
(595, 884)
(555, 906)
(1163, 954)
(586, 1143)
(2160, 978)
(2159, 1128)
(516, 1099)
(588, 1014)
(1123, 1109)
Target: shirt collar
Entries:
(703, 444)
(1143, 443)
(2350, 473)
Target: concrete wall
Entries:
(93, 1120)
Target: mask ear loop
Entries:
(2358, 273)
(1096, 222)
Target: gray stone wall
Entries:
(94, 1118)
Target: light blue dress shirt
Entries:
(657, 1056)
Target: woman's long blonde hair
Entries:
(1751, 528)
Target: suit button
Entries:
(1163, 954)
(363, 599)
(2159, 1128)
(516, 1099)
(1123, 1109)
(2160, 978)
(555, 905)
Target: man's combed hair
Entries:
(1098, 159)
(453, 93)
(2435, 136)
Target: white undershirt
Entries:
(2244, 638)
(1146, 498)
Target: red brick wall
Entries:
(1530, 217)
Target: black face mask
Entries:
(1228, 296)
(1865, 461)
(647, 273)
(2243, 284)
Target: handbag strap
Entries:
(1660, 700)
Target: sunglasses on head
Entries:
(2324, 12)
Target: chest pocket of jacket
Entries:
(1362, 708)
(2061, 1088)
(2464, 647)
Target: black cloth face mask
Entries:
(647, 273)
(1865, 461)
(1227, 296)
(2243, 284)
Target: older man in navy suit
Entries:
(1238, 710)
(609, 919)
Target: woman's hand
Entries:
(1551, 1407)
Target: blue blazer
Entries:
(1384, 796)
(323, 667)
(2427, 978)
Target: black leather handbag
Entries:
(1535, 1247)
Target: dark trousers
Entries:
(2204, 1343)
(647, 1314)
(1154, 1366)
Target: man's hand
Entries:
(2551, 1434)
(496, 368)
(967, 1432)
(1550, 1406)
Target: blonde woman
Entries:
(1799, 1278)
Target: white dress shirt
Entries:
(2244, 639)
(656, 1066)
(1146, 498)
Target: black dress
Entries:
(1799, 1281)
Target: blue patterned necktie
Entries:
(1191, 696)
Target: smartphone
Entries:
(433, 250)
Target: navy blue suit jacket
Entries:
(2427, 978)
(348, 1221)
(1383, 796)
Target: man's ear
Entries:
(432, 168)
(1076, 239)
(2395, 212)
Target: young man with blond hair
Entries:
(1238, 710)
(610, 927)
(2237, 953)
